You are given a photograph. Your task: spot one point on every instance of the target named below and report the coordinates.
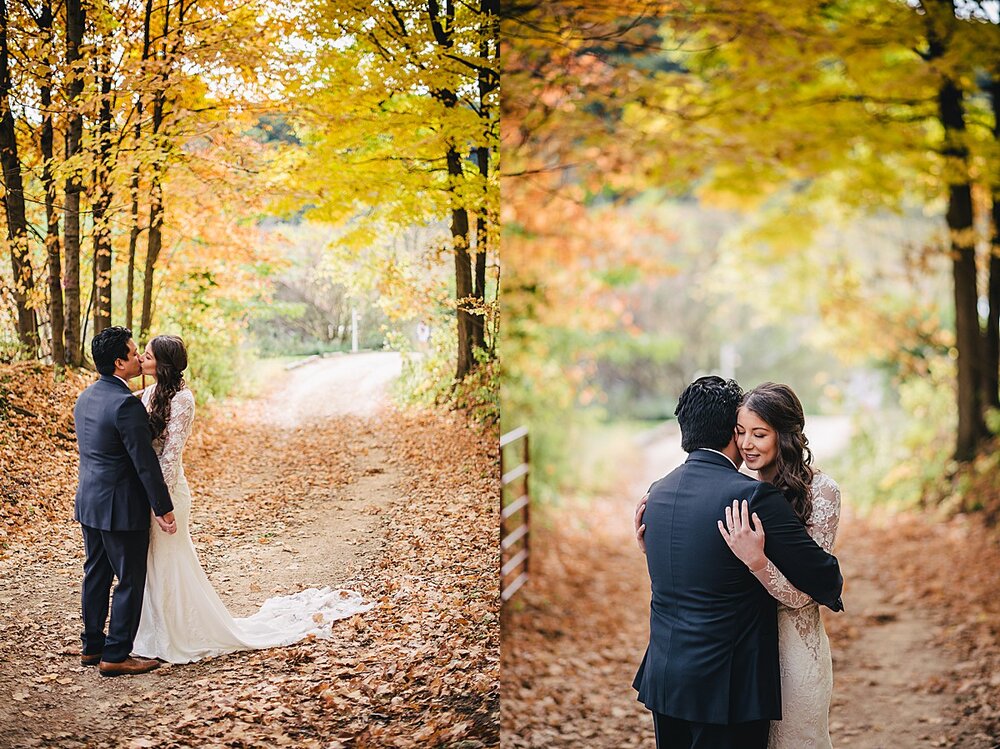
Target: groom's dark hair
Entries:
(706, 413)
(108, 345)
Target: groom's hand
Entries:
(640, 527)
(167, 523)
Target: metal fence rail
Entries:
(515, 512)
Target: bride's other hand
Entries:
(744, 534)
(640, 528)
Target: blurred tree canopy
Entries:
(800, 121)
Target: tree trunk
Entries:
(154, 237)
(133, 241)
(153, 244)
(75, 21)
(17, 224)
(102, 202)
(991, 342)
(971, 426)
(47, 144)
(463, 276)
(482, 245)
(133, 237)
(489, 13)
(464, 292)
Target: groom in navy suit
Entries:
(710, 674)
(120, 480)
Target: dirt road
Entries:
(330, 387)
(301, 488)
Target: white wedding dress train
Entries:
(183, 619)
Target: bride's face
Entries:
(757, 440)
(149, 361)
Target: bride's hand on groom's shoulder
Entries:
(640, 527)
(744, 534)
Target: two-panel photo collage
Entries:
(472, 373)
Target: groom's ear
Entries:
(120, 363)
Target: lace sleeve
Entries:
(175, 435)
(823, 529)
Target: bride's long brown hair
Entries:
(171, 361)
(778, 405)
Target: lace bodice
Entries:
(169, 446)
(823, 529)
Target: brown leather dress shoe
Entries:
(128, 666)
(90, 660)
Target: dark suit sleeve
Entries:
(133, 426)
(792, 550)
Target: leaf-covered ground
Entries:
(916, 654)
(401, 506)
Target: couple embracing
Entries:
(134, 504)
(737, 655)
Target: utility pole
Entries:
(354, 330)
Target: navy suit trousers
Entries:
(110, 554)
(672, 733)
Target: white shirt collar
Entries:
(124, 381)
(722, 454)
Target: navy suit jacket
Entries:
(120, 477)
(713, 633)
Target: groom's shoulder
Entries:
(731, 483)
(665, 482)
(92, 390)
(741, 478)
(106, 394)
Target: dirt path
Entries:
(887, 667)
(350, 389)
(302, 488)
(582, 624)
(330, 387)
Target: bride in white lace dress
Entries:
(183, 618)
(771, 440)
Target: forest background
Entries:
(271, 181)
(805, 193)
(258, 177)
